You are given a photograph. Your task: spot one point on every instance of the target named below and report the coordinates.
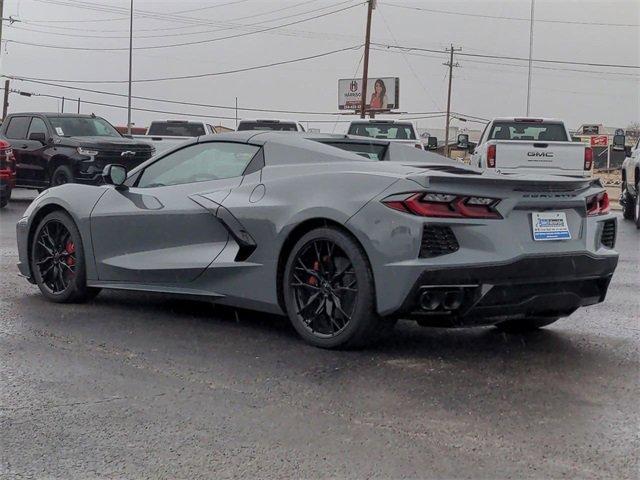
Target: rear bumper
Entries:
(553, 285)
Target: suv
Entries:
(55, 148)
(279, 125)
(7, 173)
(397, 131)
(630, 196)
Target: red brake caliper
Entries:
(313, 280)
(70, 248)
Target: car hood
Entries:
(103, 142)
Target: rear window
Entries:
(388, 131)
(17, 127)
(372, 151)
(181, 129)
(275, 126)
(551, 132)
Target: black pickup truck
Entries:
(55, 148)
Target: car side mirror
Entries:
(114, 174)
(38, 137)
(627, 151)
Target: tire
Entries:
(525, 325)
(60, 176)
(62, 278)
(636, 206)
(627, 203)
(338, 284)
(4, 199)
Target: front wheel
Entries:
(627, 203)
(329, 291)
(61, 175)
(525, 325)
(57, 260)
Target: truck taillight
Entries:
(588, 158)
(491, 156)
(444, 205)
(598, 204)
(7, 160)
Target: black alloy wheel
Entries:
(329, 293)
(325, 288)
(57, 260)
(61, 175)
(55, 257)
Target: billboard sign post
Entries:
(383, 93)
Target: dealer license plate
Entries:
(550, 226)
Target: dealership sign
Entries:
(599, 141)
(383, 93)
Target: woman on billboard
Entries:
(379, 99)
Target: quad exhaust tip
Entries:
(435, 299)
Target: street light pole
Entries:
(130, 67)
(530, 59)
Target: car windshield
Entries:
(552, 132)
(83, 127)
(277, 126)
(372, 151)
(389, 131)
(176, 129)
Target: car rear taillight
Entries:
(444, 205)
(7, 161)
(598, 204)
(491, 156)
(588, 158)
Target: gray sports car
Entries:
(345, 235)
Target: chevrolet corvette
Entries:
(343, 235)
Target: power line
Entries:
(200, 75)
(506, 57)
(227, 22)
(497, 17)
(198, 42)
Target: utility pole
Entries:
(130, 66)
(1, 20)
(530, 59)
(449, 64)
(78, 104)
(5, 103)
(62, 109)
(371, 4)
(236, 113)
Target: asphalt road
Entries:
(141, 386)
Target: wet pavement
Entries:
(147, 386)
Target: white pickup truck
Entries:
(397, 131)
(166, 134)
(531, 145)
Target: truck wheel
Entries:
(627, 202)
(636, 209)
(525, 325)
(61, 175)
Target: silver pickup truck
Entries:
(167, 134)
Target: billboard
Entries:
(383, 93)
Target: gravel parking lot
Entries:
(147, 386)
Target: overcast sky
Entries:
(607, 95)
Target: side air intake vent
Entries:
(608, 237)
(437, 240)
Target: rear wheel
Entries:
(57, 260)
(61, 175)
(627, 203)
(525, 325)
(636, 206)
(329, 291)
